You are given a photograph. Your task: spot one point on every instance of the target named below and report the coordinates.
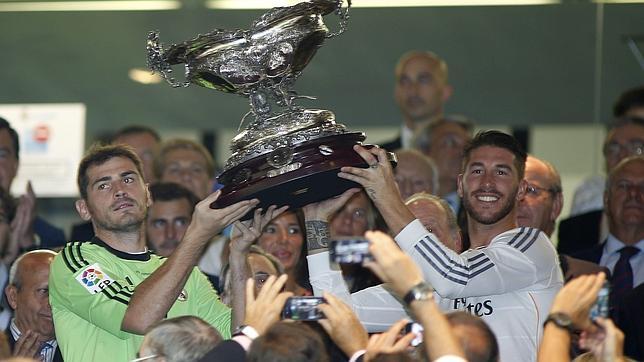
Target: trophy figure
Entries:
(287, 155)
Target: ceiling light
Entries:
(144, 76)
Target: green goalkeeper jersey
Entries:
(90, 286)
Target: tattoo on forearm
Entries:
(317, 234)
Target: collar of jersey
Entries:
(121, 254)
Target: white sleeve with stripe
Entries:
(514, 260)
(375, 307)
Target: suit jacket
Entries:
(579, 232)
(50, 236)
(58, 357)
(392, 145)
(631, 322)
(593, 254)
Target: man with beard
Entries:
(107, 292)
(510, 275)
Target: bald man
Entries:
(421, 91)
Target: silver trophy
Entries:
(286, 154)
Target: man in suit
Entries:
(31, 332)
(38, 232)
(585, 230)
(421, 91)
(541, 206)
(623, 250)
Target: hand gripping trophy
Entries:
(287, 155)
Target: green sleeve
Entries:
(207, 304)
(88, 286)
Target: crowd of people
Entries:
(460, 265)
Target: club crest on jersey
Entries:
(94, 279)
(183, 296)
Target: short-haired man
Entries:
(415, 173)
(38, 233)
(623, 250)
(185, 339)
(187, 163)
(106, 293)
(510, 275)
(437, 217)
(31, 332)
(541, 206)
(167, 221)
(421, 91)
(168, 217)
(444, 140)
(475, 336)
(145, 142)
(587, 225)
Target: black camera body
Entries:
(350, 251)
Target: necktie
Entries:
(622, 280)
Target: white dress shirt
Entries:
(610, 256)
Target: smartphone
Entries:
(417, 329)
(350, 251)
(303, 309)
(601, 307)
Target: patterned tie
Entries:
(622, 280)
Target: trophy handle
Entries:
(343, 14)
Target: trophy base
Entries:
(294, 176)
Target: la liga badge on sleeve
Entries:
(94, 279)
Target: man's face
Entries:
(352, 219)
(8, 160)
(625, 208)
(489, 185)
(447, 143)
(540, 207)
(623, 142)
(31, 300)
(145, 146)
(188, 168)
(413, 175)
(421, 90)
(434, 219)
(166, 223)
(117, 197)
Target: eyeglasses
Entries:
(144, 358)
(535, 191)
(633, 148)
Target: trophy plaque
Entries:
(287, 155)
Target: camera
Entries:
(303, 308)
(417, 329)
(350, 251)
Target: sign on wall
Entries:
(52, 142)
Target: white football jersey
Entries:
(510, 283)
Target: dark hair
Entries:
(98, 155)
(481, 343)
(135, 129)
(501, 140)
(288, 342)
(628, 100)
(4, 124)
(170, 191)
